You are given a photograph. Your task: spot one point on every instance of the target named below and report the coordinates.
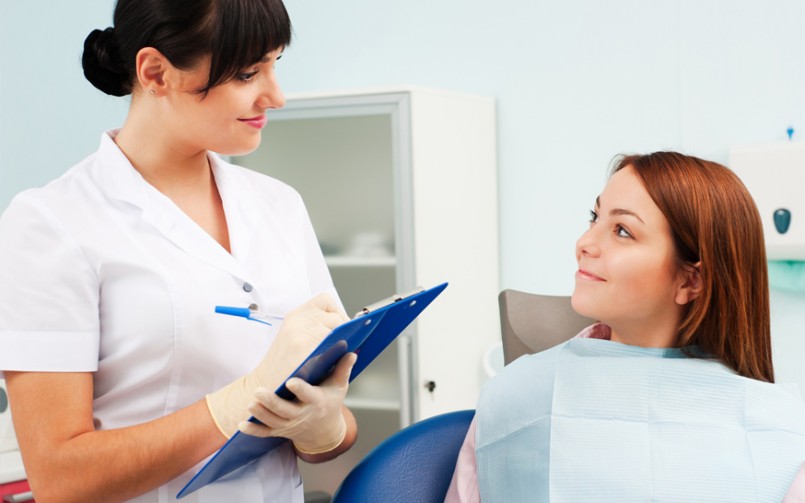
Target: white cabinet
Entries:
(401, 186)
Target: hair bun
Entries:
(103, 66)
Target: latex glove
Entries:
(314, 421)
(300, 333)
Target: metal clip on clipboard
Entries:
(387, 302)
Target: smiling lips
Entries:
(582, 274)
(257, 122)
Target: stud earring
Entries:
(151, 92)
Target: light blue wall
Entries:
(576, 82)
(50, 116)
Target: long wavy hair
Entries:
(714, 221)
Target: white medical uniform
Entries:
(102, 273)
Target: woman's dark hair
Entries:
(714, 221)
(234, 33)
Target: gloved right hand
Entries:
(314, 421)
(303, 329)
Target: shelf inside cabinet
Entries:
(372, 404)
(355, 261)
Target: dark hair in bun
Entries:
(102, 64)
(234, 33)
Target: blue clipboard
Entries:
(368, 334)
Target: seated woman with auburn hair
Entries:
(671, 395)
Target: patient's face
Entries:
(628, 273)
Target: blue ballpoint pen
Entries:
(249, 314)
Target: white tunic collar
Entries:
(123, 183)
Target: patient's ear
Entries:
(690, 283)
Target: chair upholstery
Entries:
(531, 323)
(415, 465)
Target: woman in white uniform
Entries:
(122, 379)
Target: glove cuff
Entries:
(215, 419)
(327, 442)
(228, 406)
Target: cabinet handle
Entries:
(430, 386)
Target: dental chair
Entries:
(530, 323)
(416, 464)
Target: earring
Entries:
(151, 92)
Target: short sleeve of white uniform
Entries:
(48, 293)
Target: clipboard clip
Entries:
(387, 302)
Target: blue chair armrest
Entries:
(415, 464)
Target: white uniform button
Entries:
(247, 287)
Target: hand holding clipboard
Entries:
(367, 335)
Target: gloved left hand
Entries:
(314, 422)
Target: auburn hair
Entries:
(714, 221)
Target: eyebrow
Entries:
(618, 211)
(266, 59)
